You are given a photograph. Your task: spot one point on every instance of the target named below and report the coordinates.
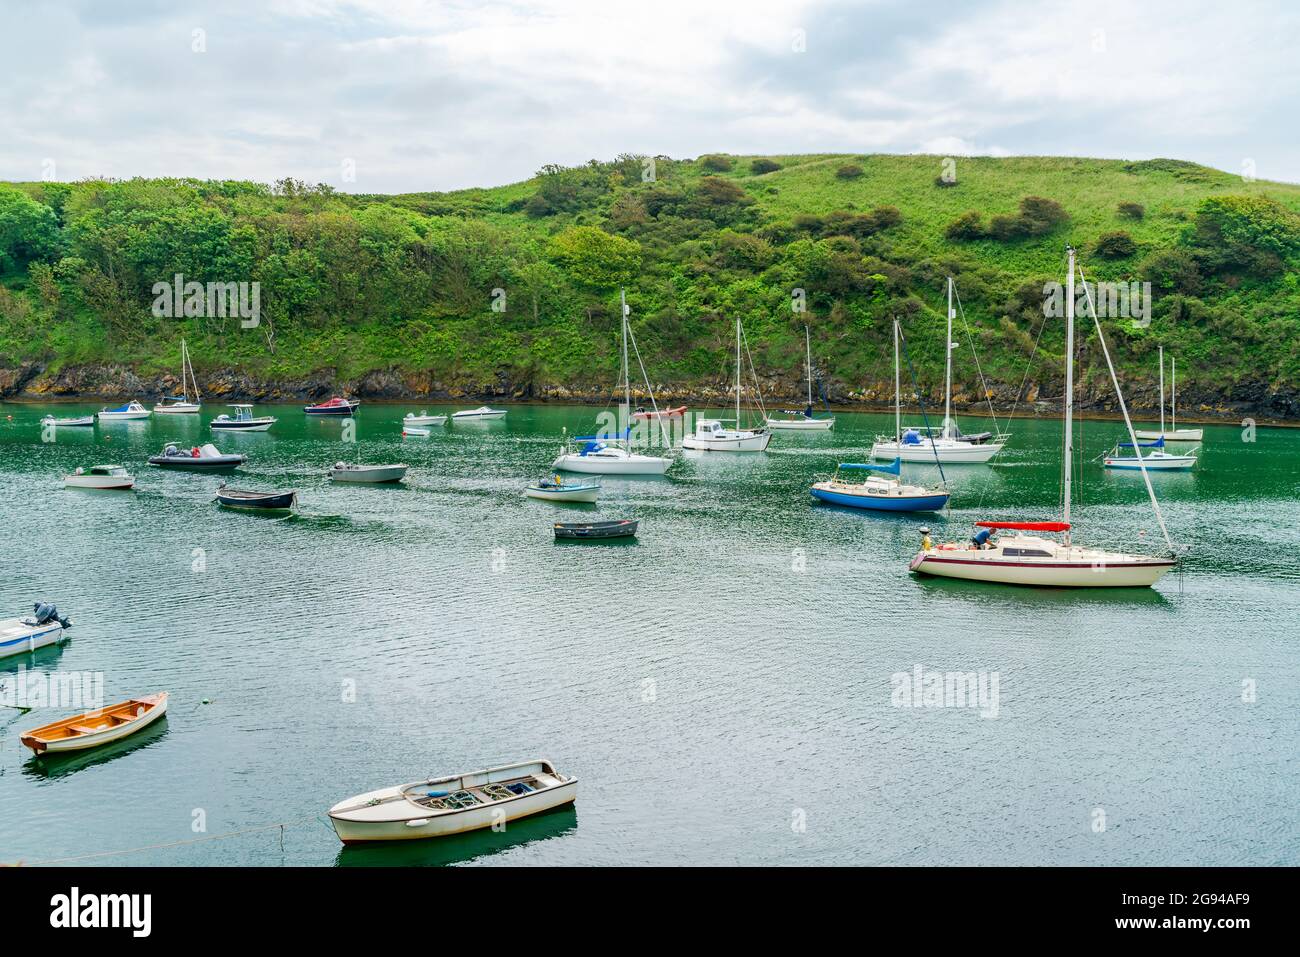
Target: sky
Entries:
(404, 96)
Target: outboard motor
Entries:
(46, 613)
(171, 451)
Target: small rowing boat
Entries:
(256, 501)
(555, 489)
(414, 430)
(100, 477)
(44, 627)
(100, 726)
(453, 805)
(592, 531)
(369, 474)
(80, 421)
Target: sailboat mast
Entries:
(1162, 390)
(738, 372)
(947, 381)
(627, 377)
(1069, 394)
(1173, 396)
(898, 409)
(807, 343)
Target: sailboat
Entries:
(1159, 459)
(805, 421)
(181, 404)
(712, 436)
(1030, 559)
(1175, 434)
(877, 491)
(950, 446)
(609, 455)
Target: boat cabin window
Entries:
(1026, 553)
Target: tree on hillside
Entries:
(596, 258)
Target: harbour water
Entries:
(726, 688)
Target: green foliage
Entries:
(1115, 245)
(596, 258)
(849, 171)
(968, 226)
(1131, 210)
(28, 230)
(1251, 233)
(717, 163)
(761, 166)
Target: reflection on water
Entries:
(63, 764)
(460, 848)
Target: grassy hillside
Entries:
(405, 293)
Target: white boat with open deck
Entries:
(181, 404)
(424, 418)
(612, 455)
(124, 413)
(439, 807)
(1173, 433)
(803, 421)
(100, 477)
(949, 446)
(42, 628)
(367, 474)
(242, 421)
(1023, 559)
(483, 412)
(74, 422)
(556, 489)
(711, 435)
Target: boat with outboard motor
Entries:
(42, 628)
(242, 421)
(204, 458)
(482, 413)
(1023, 559)
(424, 418)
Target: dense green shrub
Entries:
(717, 162)
(1130, 210)
(760, 166)
(849, 171)
(966, 227)
(1115, 245)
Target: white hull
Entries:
(17, 638)
(123, 416)
(745, 442)
(948, 452)
(425, 419)
(563, 495)
(177, 409)
(389, 815)
(802, 425)
(99, 481)
(1036, 561)
(476, 414)
(1153, 463)
(108, 735)
(369, 474)
(236, 426)
(598, 463)
(1176, 435)
(81, 422)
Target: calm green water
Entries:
(713, 684)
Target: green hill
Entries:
(513, 290)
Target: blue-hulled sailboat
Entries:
(878, 492)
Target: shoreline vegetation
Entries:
(511, 293)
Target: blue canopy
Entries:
(893, 468)
(1157, 444)
(911, 437)
(122, 408)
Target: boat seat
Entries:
(84, 729)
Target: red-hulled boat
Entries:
(335, 406)
(644, 413)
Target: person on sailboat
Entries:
(980, 539)
(926, 544)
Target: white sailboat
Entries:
(712, 436)
(1023, 559)
(804, 421)
(949, 447)
(608, 455)
(1174, 434)
(181, 404)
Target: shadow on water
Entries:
(1030, 596)
(30, 661)
(61, 765)
(459, 848)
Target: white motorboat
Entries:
(804, 420)
(415, 430)
(1023, 559)
(43, 627)
(482, 412)
(452, 805)
(612, 455)
(100, 477)
(181, 404)
(711, 436)
(555, 489)
(369, 474)
(242, 421)
(424, 418)
(124, 413)
(1174, 433)
(80, 421)
(949, 446)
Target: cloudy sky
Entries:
(405, 95)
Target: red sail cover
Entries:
(1028, 526)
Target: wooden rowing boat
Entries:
(588, 531)
(93, 728)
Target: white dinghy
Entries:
(452, 805)
(424, 418)
(100, 477)
(43, 627)
(370, 474)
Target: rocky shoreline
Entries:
(32, 382)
